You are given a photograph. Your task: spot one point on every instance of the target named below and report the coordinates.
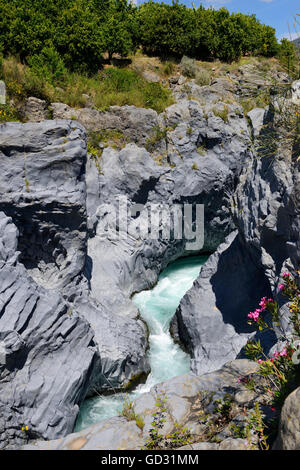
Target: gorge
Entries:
(85, 308)
(166, 359)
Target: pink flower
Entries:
(260, 361)
(254, 315)
(281, 286)
(263, 303)
(283, 352)
(286, 275)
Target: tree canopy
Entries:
(81, 31)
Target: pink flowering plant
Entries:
(281, 371)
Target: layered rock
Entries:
(42, 187)
(138, 124)
(47, 352)
(211, 320)
(124, 259)
(50, 359)
(35, 110)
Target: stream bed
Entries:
(157, 307)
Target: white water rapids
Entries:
(157, 307)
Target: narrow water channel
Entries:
(157, 306)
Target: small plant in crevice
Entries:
(158, 134)
(180, 435)
(255, 430)
(25, 433)
(219, 419)
(221, 113)
(155, 439)
(129, 413)
(95, 154)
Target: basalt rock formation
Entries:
(266, 214)
(69, 267)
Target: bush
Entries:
(188, 67)
(289, 57)
(48, 65)
(203, 77)
(168, 68)
(281, 371)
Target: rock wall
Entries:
(211, 320)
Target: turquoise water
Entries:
(157, 307)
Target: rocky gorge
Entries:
(68, 326)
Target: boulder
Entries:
(289, 427)
(35, 110)
(256, 117)
(151, 76)
(296, 92)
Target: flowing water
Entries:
(157, 307)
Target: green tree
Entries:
(117, 28)
(288, 55)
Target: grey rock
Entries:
(42, 178)
(256, 117)
(289, 427)
(137, 124)
(233, 444)
(295, 88)
(114, 434)
(180, 393)
(47, 356)
(2, 92)
(211, 320)
(208, 320)
(151, 76)
(35, 110)
(43, 253)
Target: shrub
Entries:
(222, 113)
(203, 77)
(168, 68)
(156, 440)
(282, 370)
(188, 67)
(48, 65)
(129, 413)
(7, 113)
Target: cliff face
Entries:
(67, 324)
(210, 320)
